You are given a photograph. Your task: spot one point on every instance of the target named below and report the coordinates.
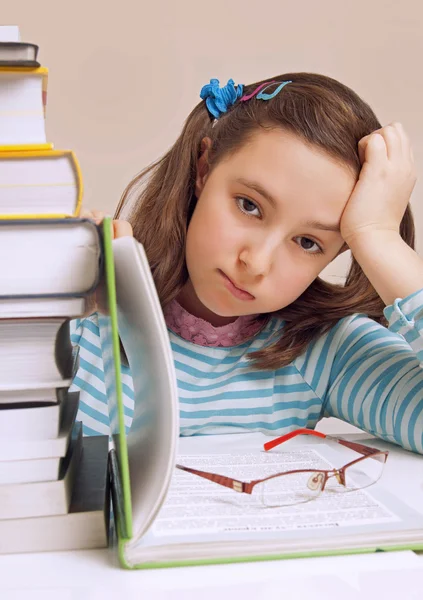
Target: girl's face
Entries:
(265, 225)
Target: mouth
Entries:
(234, 289)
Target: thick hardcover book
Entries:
(85, 525)
(24, 451)
(18, 54)
(38, 307)
(23, 100)
(39, 184)
(33, 420)
(53, 257)
(35, 353)
(20, 500)
(39, 396)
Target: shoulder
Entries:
(357, 331)
(359, 327)
(91, 322)
(356, 335)
(85, 330)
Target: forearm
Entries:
(392, 267)
(377, 384)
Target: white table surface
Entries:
(95, 575)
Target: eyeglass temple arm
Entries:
(360, 448)
(234, 484)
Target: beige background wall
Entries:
(124, 75)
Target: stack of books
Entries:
(53, 482)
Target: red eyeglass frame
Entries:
(246, 487)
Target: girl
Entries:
(265, 186)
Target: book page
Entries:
(201, 520)
(196, 506)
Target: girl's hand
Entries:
(96, 302)
(384, 187)
(119, 228)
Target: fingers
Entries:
(376, 149)
(122, 229)
(393, 135)
(362, 145)
(372, 147)
(119, 228)
(95, 215)
(400, 152)
(397, 144)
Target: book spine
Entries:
(43, 71)
(27, 148)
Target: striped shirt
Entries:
(366, 374)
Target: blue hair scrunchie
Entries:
(218, 100)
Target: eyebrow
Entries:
(257, 187)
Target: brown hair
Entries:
(322, 112)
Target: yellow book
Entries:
(23, 101)
(27, 147)
(40, 184)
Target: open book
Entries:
(168, 516)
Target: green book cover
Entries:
(144, 454)
(114, 391)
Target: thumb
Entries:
(122, 229)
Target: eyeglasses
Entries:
(302, 485)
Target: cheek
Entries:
(209, 234)
(293, 277)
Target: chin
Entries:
(218, 309)
(217, 304)
(226, 311)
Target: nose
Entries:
(258, 256)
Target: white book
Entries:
(22, 500)
(22, 119)
(22, 396)
(34, 421)
(49, 257)
(18, 54)
(48, 183)
(9, 33)
(26, 308)
(85, 525)
(33, 449)
(29, 471)
(35, 353)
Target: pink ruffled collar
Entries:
(200, 332)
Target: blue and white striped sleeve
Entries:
(376, 379)
(89, 379)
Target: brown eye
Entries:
(307, 245)
(248, 207)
